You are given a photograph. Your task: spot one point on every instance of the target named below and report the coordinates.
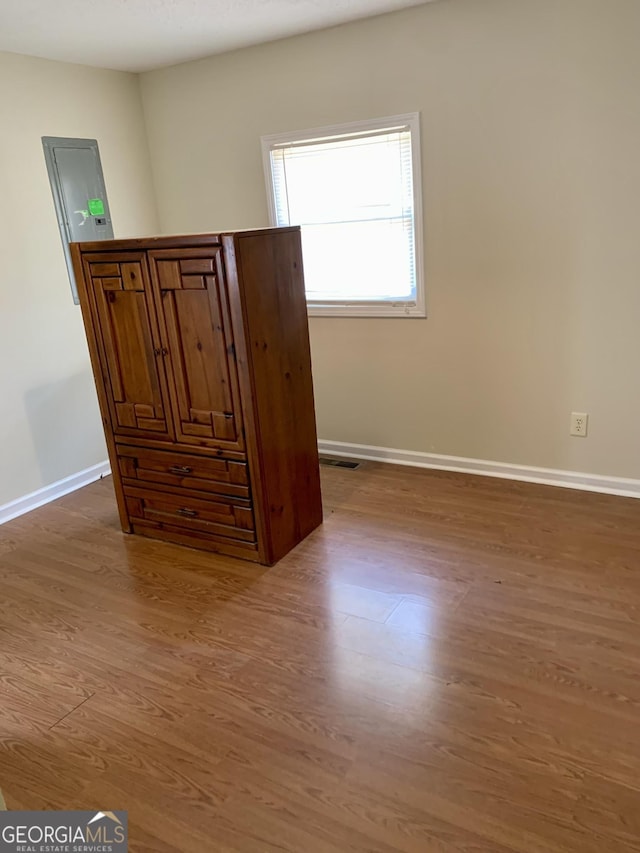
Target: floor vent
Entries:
(339, 463)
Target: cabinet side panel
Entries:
(272, 284)
(99, 374)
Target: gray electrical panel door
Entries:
(79, 193)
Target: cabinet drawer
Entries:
(183, 470)
(221, 516)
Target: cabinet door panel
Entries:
(129, 344)
(195, 322)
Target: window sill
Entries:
(399, 311)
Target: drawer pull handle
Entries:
(180, 469)
(190, 513)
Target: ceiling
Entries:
(139, 35)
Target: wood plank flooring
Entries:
(449, 664)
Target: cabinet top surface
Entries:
(175, 240)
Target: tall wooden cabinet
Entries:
(200, 352)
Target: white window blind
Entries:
(353, 193)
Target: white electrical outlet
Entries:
(579, 424)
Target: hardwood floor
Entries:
(449, 664)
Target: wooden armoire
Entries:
(200, 352)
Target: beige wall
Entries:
(49, 422)
(531, 165)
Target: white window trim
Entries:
(363, 309)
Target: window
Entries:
(355, 190)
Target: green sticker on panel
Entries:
(96, 206)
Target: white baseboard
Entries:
(54, 491)
(547, 476)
